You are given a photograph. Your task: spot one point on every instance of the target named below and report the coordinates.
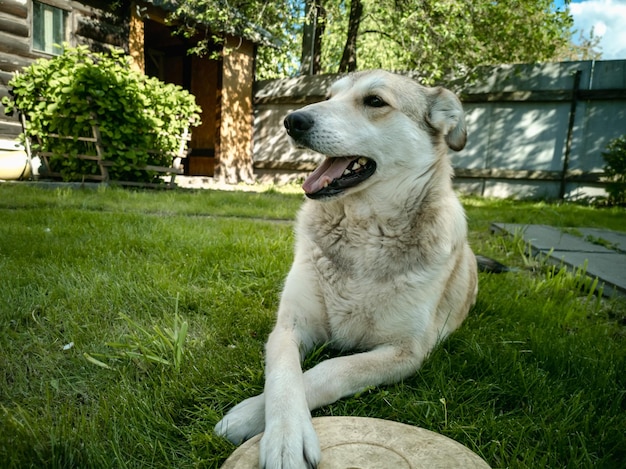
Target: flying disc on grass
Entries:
(367, 443)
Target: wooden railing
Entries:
(175, 168)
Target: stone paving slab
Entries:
(608, 265)
(616, 239)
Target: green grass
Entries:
(99, 289)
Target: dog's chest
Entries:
(362, 312)
(363, 248)
(366, 275)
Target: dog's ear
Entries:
(446, 115)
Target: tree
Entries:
(312, 32)
(348, 59)
(584, 48)
(276, 25)
(439, 39)
(444, 38)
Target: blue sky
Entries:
(607, 17)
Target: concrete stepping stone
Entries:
(369, 443)
(608, 264)
(616, 239)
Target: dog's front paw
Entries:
(243, 421)
(290, 444)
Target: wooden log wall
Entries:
(14, 53)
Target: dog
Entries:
(382, 266)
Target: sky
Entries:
(608, 18)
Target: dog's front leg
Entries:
(243, 421)
(289, 441)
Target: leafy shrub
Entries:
(615, 169)
(140, 118)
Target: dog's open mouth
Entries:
(335, 175)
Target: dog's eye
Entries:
(374, 101)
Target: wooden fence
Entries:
(535, 131)
(95, 152)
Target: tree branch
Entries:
(383, 33)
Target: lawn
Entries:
(132, 320)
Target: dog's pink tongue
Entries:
(330, 169)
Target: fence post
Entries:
(95, 130)
(570, 131)
(34, 172)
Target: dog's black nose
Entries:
(298, 123)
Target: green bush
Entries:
(615, 169)
(140, 118)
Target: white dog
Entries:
(382, 265)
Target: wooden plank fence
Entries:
(535, 130)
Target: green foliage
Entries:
(437, 39)
(440, 40)
(585, 47)
(163, 346)
(275, 25)
(140, 118)
(615, 169)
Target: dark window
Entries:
(48, 28)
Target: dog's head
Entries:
(375, 125)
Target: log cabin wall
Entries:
(15, 53)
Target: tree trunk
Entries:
(348, 59)
(313, 29)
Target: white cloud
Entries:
(599, 28)
(608, 18)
